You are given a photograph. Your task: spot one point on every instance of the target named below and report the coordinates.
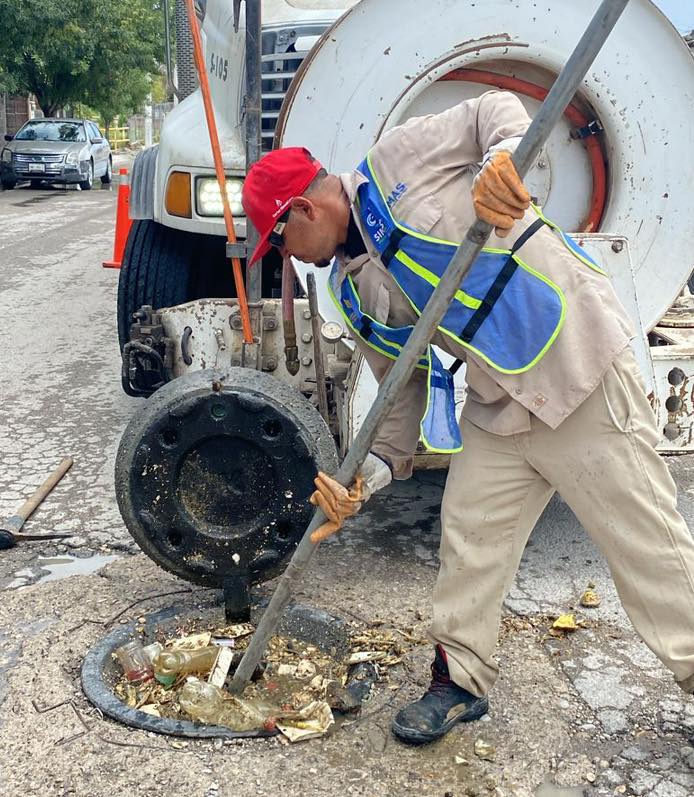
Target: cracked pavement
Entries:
(593, 713)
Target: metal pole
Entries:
(148, 120)
(253, 110)
(549, 114)
(317, 348)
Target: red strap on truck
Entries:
(219, 168)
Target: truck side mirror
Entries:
(8, 137)
(97, 140)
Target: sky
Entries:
(681, 13)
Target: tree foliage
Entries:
(125, 60)
(98, 52)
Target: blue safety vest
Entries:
(505, 312)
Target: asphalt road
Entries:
(61, 363)
(594, 710)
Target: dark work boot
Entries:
(442, 706)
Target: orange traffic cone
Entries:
(123, 221)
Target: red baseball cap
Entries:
(269, 187)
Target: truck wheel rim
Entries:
(213, 475)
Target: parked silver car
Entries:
(56, 151)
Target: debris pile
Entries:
(381, 645)
(551, 624)
(590, 599)
(295, 690)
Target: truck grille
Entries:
(280, 61)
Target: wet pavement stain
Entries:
(64, 566)
(548, 789)
(27, 203)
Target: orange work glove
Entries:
(336, 502)
(498, 194)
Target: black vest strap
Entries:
(393, 245)
(525, 237)
(497, 287)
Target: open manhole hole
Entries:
(311, 638)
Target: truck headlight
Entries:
(73, 158)
(7, 155)
(209, 197)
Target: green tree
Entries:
(47, 47)
(94, 51)
(123, 96)
(126, 59)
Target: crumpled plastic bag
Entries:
(311, 722)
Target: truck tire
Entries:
(156, 271)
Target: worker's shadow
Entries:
(400, 525)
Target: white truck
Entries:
(335, 76)
(178, 236)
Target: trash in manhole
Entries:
(169, 673)
(64, 566)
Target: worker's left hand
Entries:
(498, 194)
(337, 502)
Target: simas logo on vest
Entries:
(378, 227)
(395, 194)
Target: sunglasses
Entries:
(276, 237)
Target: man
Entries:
(555, 399)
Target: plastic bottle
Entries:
(169, 664)
(135, 665)
(152, 651)
(205, 702)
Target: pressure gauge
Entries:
(332, 331)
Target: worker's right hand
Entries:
(338, 503)
(498, 193)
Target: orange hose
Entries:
(219, 169)
(597, 164)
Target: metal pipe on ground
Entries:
(548, 115)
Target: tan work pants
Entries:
(602, 461)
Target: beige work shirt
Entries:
(426, 166)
